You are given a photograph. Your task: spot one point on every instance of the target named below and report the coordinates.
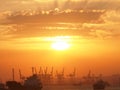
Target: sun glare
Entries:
(61, 45)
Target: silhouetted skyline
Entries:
(61, 33)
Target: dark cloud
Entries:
(31, 6)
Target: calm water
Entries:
(75, 88)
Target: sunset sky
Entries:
(86, 46)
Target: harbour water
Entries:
(75, 88)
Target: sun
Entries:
(60, 45)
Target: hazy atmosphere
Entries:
(81, 34)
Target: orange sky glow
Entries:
(41, 36)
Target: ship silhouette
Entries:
(32, 82)
(2, 86)
(99, 85)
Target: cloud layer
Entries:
(107, 29)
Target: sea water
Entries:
(75, 88)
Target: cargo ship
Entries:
(31, 83)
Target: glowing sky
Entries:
(34, 4)
(94, 46)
